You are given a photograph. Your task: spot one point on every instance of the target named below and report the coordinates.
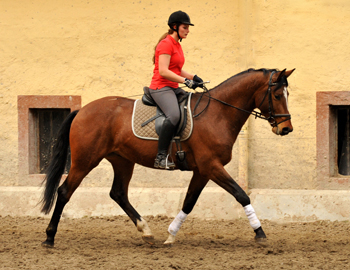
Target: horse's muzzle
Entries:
(284, 131)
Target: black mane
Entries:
(264, 70)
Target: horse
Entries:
(102, 130)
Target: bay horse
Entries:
(102, 130)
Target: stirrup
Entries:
(164, 163)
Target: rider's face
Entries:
(184, 29)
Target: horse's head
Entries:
(274, 102)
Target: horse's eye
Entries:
(278, 97)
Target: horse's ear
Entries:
(287, 73)
(281, 74)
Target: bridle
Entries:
(272, 116)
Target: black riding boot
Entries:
(165, 136)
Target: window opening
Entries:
(332, 139)
(46, 124)
(343, 140)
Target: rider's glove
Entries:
(191, 84)
(198, 80)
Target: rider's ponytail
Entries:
(170, 31)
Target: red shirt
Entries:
(173, 48)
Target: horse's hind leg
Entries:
(123, 170)
(194, 190)
(64, 192)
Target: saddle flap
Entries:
(183, 105)
(159, 120)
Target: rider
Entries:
(168, 73)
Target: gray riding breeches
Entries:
(167, 101)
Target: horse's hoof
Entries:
(47, 244)
(149, 239)
(261, 241)
(259, 233)
(260, 236)
(168, 244)
(170, 241)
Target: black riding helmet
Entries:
(178, 18)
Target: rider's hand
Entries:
(198, 80)
(191, 84)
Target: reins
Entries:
(254, 113)
(200, 98)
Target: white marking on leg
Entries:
(253, 219)
(142, 226)
(147, 236)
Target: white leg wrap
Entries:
(174, 227)
(253, 219)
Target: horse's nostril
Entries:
(286, 130)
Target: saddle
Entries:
(148, 118)
(160, 117)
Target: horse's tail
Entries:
(57, 164)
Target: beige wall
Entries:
(99, 48)
(311, 36)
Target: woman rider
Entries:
(168, 73)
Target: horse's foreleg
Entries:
(194, 190)
(223, 179)
(123, 170)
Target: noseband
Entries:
(272, 116)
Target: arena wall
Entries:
(92, 49)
